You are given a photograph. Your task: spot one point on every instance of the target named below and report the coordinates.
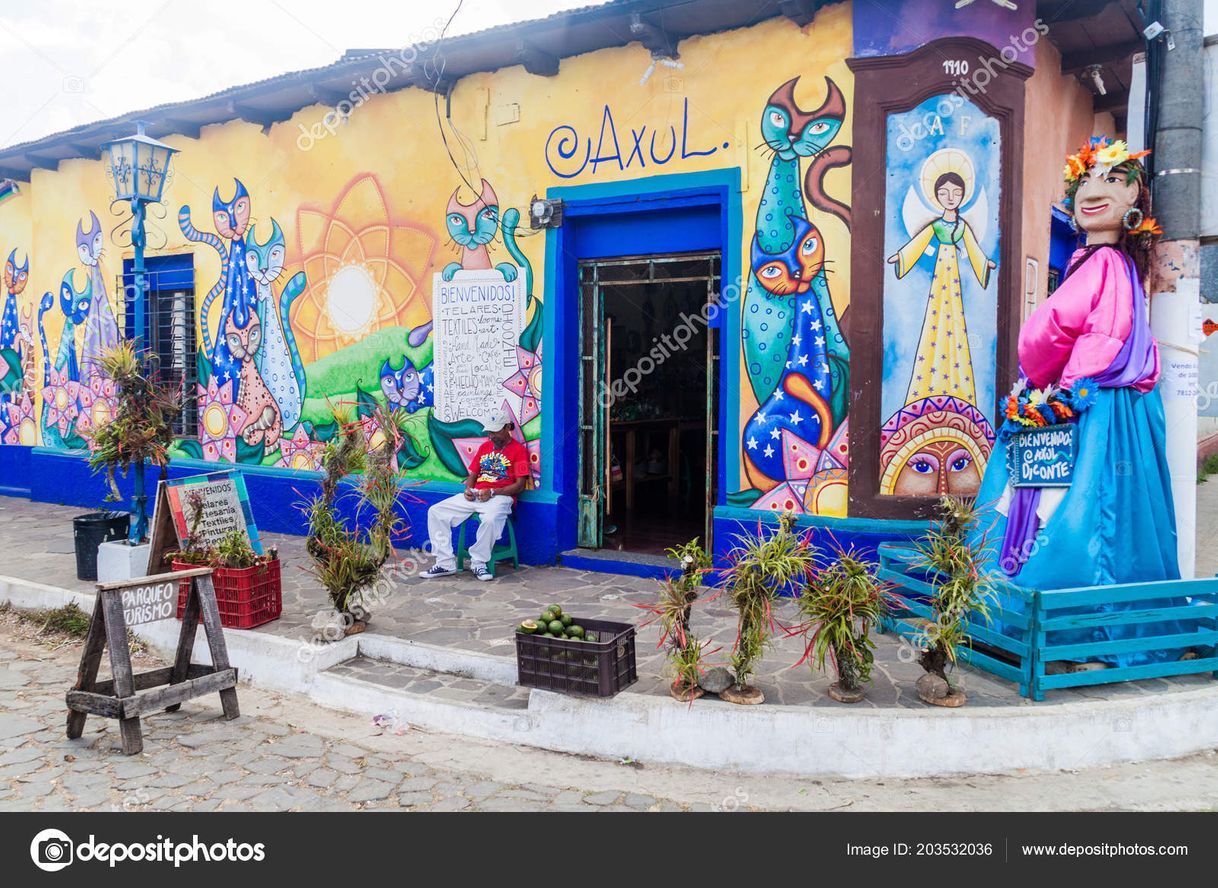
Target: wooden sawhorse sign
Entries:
(134, 603)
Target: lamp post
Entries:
(137, 166)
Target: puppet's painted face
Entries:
(1101, 201)
(939, 467)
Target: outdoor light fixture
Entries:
(1095, 79)
(544, 213)
(138, 166)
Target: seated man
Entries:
(497, 474)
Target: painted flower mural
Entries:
(220, 421)
(20, 427)
(366, 270)
(300, 452)
(98, 404)
(526, 382)
(61, 398)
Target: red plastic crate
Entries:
(247, 596)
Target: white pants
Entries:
(448, 513)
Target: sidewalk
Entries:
(463, 615)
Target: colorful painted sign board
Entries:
(1044, 457)
(226, 507)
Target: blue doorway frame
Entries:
(678, 213)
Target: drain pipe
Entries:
(1176, 264)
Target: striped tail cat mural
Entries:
(231, 219)
(796, 356)
(278, 360)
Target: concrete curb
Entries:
(838, 741)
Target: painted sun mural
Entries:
(366, 270)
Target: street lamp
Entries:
(137, 166)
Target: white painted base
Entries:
(117, 561)
(841, 741)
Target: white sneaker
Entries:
(436, 571)
(481, 573)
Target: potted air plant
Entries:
(348, 560)
(249, 589)
(685, 652)
(129, 423)
(762, 567)
(841, 606)
(951, 554)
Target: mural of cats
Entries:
(795, 422)
(231, 219)
(473, 226)
(15, 278)
(264, 423)
(790, 133)
(101, 329)
(278, 362)
(75, 305)
(407, 387)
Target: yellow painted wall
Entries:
(385, 172)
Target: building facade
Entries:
(716, 266)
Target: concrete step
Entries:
(446, 686)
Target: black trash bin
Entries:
(90, 531)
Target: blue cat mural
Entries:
(791, 133)
(407, 387)
(231, 219)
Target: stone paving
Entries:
(459, 612)
(194, 760)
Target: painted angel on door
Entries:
(944, 365)
(939, 440)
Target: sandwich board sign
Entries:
(127, 696)
(224, 504)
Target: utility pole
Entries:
(1176, 263)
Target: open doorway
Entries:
(648, 391)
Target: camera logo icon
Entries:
(51, 850)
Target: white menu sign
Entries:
(478, 318)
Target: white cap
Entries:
(496, 421)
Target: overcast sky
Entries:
(68, 62)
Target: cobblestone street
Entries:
(287, 754)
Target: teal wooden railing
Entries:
(1014, 643)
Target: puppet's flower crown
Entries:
(1101, 154)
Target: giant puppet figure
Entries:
(1088, 358)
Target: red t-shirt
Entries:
(499, 467)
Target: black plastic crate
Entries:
(599, 668)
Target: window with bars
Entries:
(169, 326)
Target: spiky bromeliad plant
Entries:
(762, 566)
(841, 606)
(346, 560)
(951, 553)
(142, 425)
(672, 611)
